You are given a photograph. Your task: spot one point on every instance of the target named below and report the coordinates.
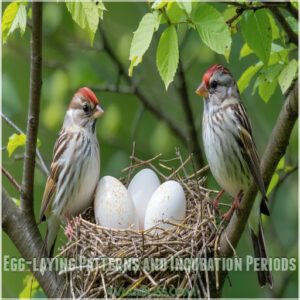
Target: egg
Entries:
(113, 205)
(168, 203)
(141, 188)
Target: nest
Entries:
(114, 263)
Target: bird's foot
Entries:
(215, 202)
(234, 207)
(69, 230)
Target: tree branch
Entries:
(22, 230)
(275, 149)
(293, 37)
(192, 140)
(34, 109)
(157, 111)
(40, 160)
(11, 179)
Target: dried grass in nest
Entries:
(197, 236)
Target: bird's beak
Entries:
(202, 90)
(98, 112)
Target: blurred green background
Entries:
(70, 63)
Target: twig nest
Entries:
(132, 263)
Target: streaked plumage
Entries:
(229, 146)
(75, 168)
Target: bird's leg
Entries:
(71, 223)
(234, 206)
(217, 199)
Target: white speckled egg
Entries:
(141, 188)
(113, 205)
(168, 203)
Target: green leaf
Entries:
(274, 27)
(159, 4)
(257, 33)
(278, 54)
(175, 13)
(31, 287)
(15, 141)
(281, 164)
(274, 181)
(16, 201)
(213, 29)
(247, 76)
(142, 38)
(14, 17)
(185, 5)
(287, 75)
(245, 51)
(87, 15)
(167, 55)
(267, 81)
(293, 23)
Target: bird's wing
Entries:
(55, 169)
(251, 157)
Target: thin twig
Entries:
(193, 143)
(34, 108)
(153, 108)
(11, 179)
(16, 128)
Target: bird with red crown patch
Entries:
(75, 168)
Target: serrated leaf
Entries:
(185, 5)
(142, 38)
(87, 14)
(247, 76)
(212, 29)
(257, 33)
(287, 75)
(267, 81)
(14, 17)
(15, 141)
(167, 55)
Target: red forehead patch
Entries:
(210, 71)
(88, 94)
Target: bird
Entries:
(230, 149)
(75, 168)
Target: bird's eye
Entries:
(214, 84)
(86, 108)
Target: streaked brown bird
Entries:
(75, 168)
(230, 150)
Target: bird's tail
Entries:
(264, 206)
(258, 241)
(51, 234)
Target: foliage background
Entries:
(70, 62)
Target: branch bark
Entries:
(27, 194)
(192, 140)
(275, 149)
(22, 230)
